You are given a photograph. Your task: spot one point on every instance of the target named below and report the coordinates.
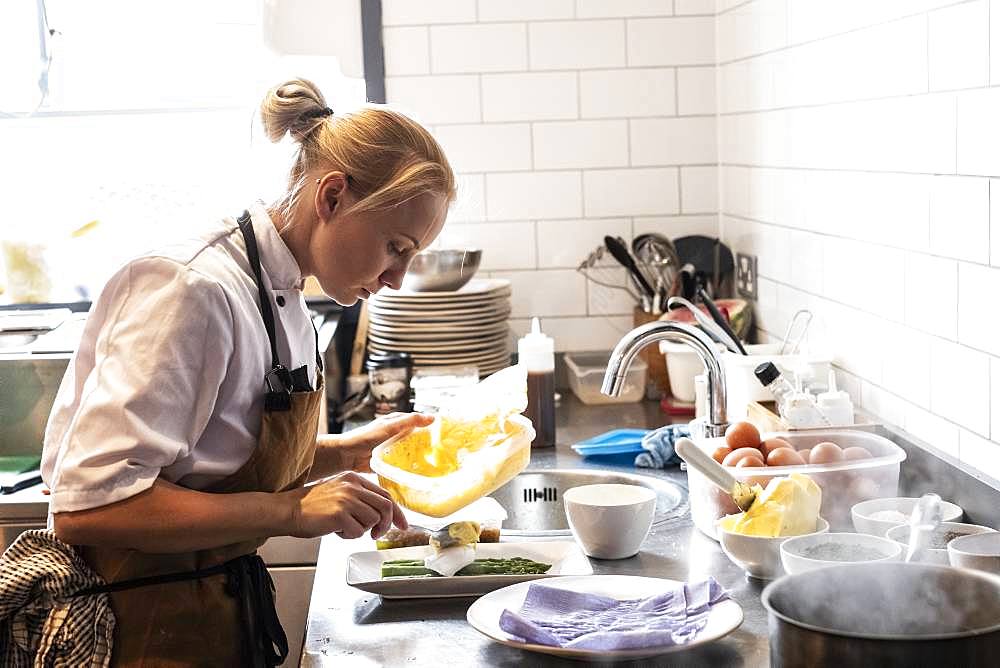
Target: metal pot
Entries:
(884, 614)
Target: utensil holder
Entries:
(656, 364)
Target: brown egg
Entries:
(784, 457)
(826, 453)
(720, 453)
(856, 452)
(804, 454)
(773, 444)
(749, 462)
(742, 435)
(736, 456)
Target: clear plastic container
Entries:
(844, 483)
(586, 374)
(481, 472)
(742, 387)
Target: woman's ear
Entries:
(330, 195)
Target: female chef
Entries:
(185, 428)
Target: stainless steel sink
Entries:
(534, 499)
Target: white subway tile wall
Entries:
(487, 47)
(566, 120)
(856, 144)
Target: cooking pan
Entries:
(884, 614)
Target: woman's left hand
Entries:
(353, 451)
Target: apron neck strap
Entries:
(277, 397)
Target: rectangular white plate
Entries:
(364, 569)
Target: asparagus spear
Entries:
(511, 566)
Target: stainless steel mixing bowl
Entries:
(435, 270)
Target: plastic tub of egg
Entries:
(437, 478)
(850, 466)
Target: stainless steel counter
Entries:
(28, 504)
(348, 627)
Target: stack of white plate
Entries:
(463, 327)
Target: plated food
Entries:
(364, 569)
(411, 568)
(454, 553)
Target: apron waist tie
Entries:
(248, 581)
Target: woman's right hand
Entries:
(347, 505)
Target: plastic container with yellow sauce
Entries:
(481, 472)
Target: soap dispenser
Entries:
(537, 353)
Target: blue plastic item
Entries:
(615, 442)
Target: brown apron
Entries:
(215, 607)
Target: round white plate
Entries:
(475, 287)
(444, 345)
(423, 336)
(484, 614)
(484, 370)
(440, 329)
(437, 316)
(487, 357)
(464, 348)
(467, 302)
(477, 304)
(483, 360)
(391, 313)
(483, 357)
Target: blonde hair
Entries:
(389, 158)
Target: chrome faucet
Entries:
(715, 422)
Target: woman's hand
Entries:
(347, 505)
(353, 451)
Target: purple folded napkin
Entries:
(574, 620)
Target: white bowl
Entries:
(683, 364)
(861, 513)
(980, 551)
(795, 551)
(610, 521)
(930, 555)
(760, 556)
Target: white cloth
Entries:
(169, 376)
(40, 623)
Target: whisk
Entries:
(588, 265)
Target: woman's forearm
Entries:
(169, 518)
(328, 459)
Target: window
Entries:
(149, 127)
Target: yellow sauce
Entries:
(436, 453)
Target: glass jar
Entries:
(389, 382)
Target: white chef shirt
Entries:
(168, 380)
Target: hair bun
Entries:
(296, 106)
